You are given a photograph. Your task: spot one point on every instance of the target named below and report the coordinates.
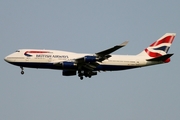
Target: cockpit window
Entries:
(17, 51)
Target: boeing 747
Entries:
(88, 65)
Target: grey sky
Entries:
(150, 93)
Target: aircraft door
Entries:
(137, 62)
(27, 58)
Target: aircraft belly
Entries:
(36, 65)
(114, 67)
(52, 66)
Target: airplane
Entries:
(88, 65)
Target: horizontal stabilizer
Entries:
(161, 58)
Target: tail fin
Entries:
(159, 47)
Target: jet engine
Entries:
(90, 58)
(68, 65)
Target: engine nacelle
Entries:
(68, 65)
(68, 72)
(90, 59)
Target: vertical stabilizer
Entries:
(159, 47)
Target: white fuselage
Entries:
(88, 64)
(47, 60)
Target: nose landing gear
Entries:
(22, 70)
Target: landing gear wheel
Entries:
(22, 72)
(81, 77)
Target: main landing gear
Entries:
(86, 74)
(22, 70)
(80, 74)
(81, 77)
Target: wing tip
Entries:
(124, 43)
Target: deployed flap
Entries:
(110, 50)
(161, 58)
(90, 66)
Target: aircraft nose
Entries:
(6, 59)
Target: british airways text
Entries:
(52, 56)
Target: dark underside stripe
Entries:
(52, 66)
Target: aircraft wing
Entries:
(110, 50)
(92, 61)
(105, 54)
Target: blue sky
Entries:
(89, 27)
